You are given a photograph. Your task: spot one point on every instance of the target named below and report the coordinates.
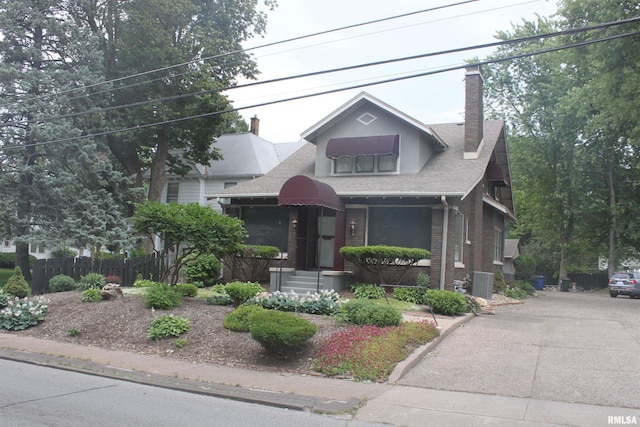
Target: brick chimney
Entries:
(473, 112)
(255, 125)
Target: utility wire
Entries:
(379, 82)
(170, 67)
(347, 68)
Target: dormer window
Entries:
(365, 154)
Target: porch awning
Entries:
(301, 190)
(363, 146)
(496, 175)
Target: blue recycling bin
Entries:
(539, 283)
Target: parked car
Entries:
(624, 283)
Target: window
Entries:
(460, 237)
(400, 226)
(266, 225)
(498, 246)
(230, 184)
(172, 192)
(366, 164)
(343, 165)
(387, 163)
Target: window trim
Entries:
(354, 165)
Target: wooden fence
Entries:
(43, 270)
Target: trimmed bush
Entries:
(241, 292)
(143, 283)
(238, 319)
(17, 285)
(165, 326)
(499, 284)
(280, 332)
(446, 302)
(367, 312)
(65, 252)
(203, 270)
(414, 295)
(161, 296)
(516, 293)
(62, 283)
(187, 289)
(8, 260)
(362, 290)
(91, 295)
(91, 281)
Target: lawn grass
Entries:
(5, 273)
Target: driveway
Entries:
(559, 346)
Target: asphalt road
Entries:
(561, 346)
(33, 395)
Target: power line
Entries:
(348, 68)
(170, 67)
(379, 82)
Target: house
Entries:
(371, 175)
(245, 156)
(511, 252)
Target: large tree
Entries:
(145, 35)
(574, 133)
(45, 62)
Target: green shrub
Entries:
(203, 270)
(499, 284)
(62, 283)
(526, 286)
(446, 302)
(280, 332)
(367, 312)
(187, 289)
(241, 292)
(472, 304)
(164, 326)
(362, 290)
(4, 298)
(91, 295)
(219, 299)
(143, 283)
(238, 319)
(22, 314)
(63, 253)
(17, 285)
(8, 260)
(91, 281)
(423, 281)
(162, 297)
(219, 288)
(414, 295)
(326, 302)
(516, 293)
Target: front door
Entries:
(315, 238)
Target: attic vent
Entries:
(367, 118)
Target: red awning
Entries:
(304, 191)
(363, 146)
(496, 175)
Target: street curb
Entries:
(418, 354)
(264, 397)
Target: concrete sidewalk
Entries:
(388, 403)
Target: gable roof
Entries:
(247, 155)
(446, 173)
(356, 102)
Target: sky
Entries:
(431, 99)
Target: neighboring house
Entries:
(245, 156)
(511, 252)
(372, 175)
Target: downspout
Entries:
(445, 233)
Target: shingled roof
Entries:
(446, 173)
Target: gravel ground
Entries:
(123, 324)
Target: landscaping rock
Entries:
(111, 291)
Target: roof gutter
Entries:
(445, 233)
